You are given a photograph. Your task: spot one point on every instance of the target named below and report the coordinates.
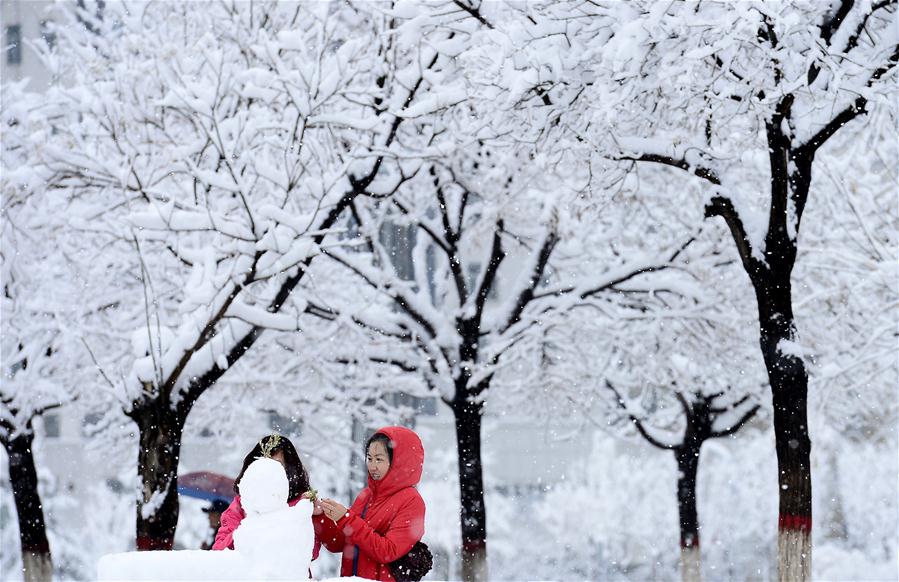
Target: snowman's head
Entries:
(263, 487)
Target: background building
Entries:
(25, 22)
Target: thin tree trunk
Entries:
(789, 387)
(157, 466)
(836, 529)
(688, 464)
(471, 485)
(37, 563)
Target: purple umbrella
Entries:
(206, 485)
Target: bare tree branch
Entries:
(724, 207)
(856, 108)
(527, 294)
(721, 410)
(704, 173)
(432, 234)
(209, 328)
(392, 292)
(828, 28)
(474, 12)
(329, 314)
(452, 249)
(853, 40)
(639, 425)
(399, 364)
(688, 410)
(735, 427)
(831, 24)
(497, 254)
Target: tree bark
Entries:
(789, 386)
(471, 485)
(37, 563)
(688, 465)
(157, 466)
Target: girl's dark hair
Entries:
(293, 466)
(382, 438)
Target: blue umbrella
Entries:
(206, 485)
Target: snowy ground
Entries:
(619, 539)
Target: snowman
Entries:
(276, 538)
(273, 542)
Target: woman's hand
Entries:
(332, 509)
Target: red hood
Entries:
(408, 461)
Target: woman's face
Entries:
(279, 456)
(378, 460)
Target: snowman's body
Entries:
(277, 538)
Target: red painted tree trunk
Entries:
(789, 387)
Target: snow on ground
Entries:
(835, 563)
(198, 565)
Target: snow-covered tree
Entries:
(741, 97)
(36, 346)
(663, 374)
(484, 180)
(760, 85)
(209, 150)
(464, 265)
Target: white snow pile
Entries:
(273, 542)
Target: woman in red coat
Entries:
(282, 450)
(388, 516)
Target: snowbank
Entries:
(180, 565)
(199, 565)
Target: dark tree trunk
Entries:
(687, 466)
(157, 466)
(687, 456)
(791, 171)
(37, 562)
(789, 388)
(471, 485)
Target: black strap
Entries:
(356, 548)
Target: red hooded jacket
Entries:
(387, 518)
